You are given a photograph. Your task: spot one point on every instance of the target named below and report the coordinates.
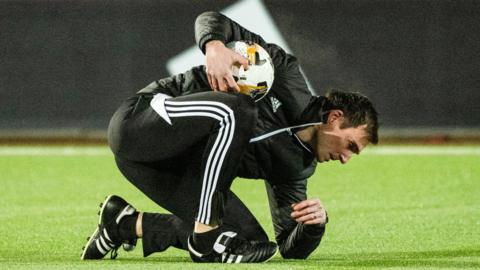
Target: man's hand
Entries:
(219, 62)
(309, 212)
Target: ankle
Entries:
(204, 241)
(203, 228)
(138, 225)
(127, 227)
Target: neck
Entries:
(307, 135)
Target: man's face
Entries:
(335, 143)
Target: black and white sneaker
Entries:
(105, 238)
(231, 249)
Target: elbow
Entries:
(208, 25)
(207, 14)
(294, 253)
(209, 17)
(202, 17)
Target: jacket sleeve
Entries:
(216, 26)
(189, 82)
(295, 240)
(289, 83)
(212, 25)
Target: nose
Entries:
(344, 158)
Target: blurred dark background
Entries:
(67, 65)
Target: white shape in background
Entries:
(242, 12)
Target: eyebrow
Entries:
(354, 147)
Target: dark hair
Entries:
(357, 109)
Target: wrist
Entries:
(213, 45)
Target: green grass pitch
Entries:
(392, 207)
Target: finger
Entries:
(315, 221)
(321, 218)
(232, 84)
(296, 214)
(306, 203)
(221, 85)
(214, 84)
(308, 217)
(306, 211)
(210, 82)
(242, 61)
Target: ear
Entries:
(334, 115)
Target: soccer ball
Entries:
(258, 79)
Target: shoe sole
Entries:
(100, 213)
(274, 254)
(90, 240)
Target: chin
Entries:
(323, 160)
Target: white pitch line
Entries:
(105, 151)
(422, 150)
(54, 151)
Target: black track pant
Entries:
(161, 231)
(183, 152)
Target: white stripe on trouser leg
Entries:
(225, 116)
(216, 165)
(211, 172)
(207, 182)
(216, 168)
(217, 173)
(207, 185)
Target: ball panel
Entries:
(258, 79)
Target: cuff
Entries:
(206, 38)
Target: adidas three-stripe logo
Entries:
(226, 118)
(103, 242)
(231, 258)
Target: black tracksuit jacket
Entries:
(281, 159)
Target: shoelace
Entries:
(114, 253)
